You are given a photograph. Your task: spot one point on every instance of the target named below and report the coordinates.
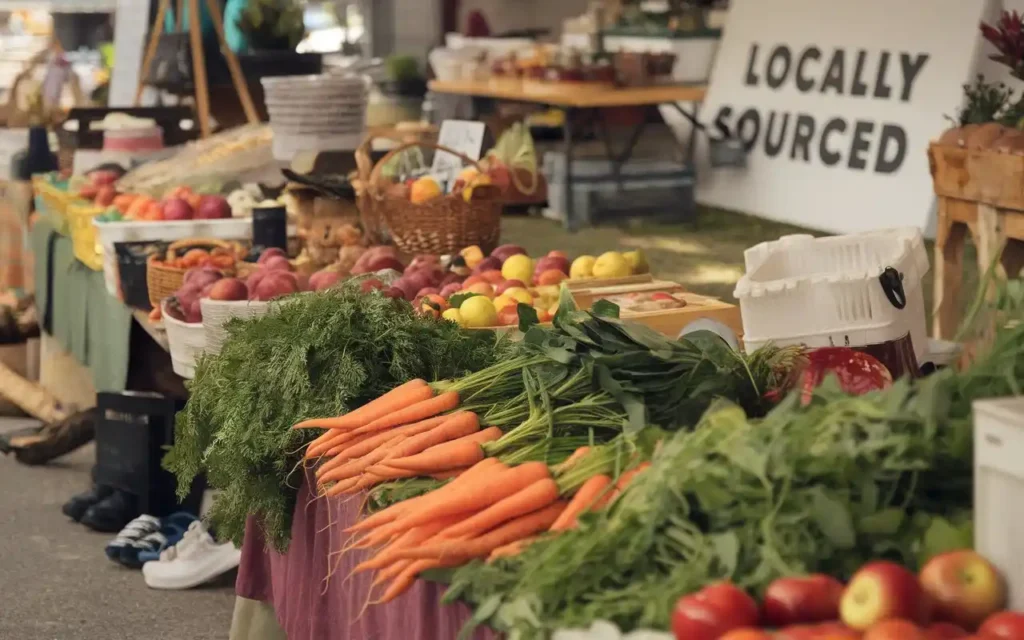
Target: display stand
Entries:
(981, 193)
(202, 89)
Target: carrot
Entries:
(341, 486)
(362, 446)
(463, 452)
(476, 495)
(392, 513)
(321, 440)
(390, 571)
(383, 473)
(451, 473)
(536, 496)
(626, 477)
(454, 426)
(412, 413)
(405, 579)
(571, 460)
(465, 549)
(398, 398)
(354, 467)
(510, 549)
(337, 438)
(412, 537)
(587, 495)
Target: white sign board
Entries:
(837, 102)
(464, 136)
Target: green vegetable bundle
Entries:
(824, 487)
(319, 354)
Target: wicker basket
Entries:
(163, 280)
(445, 224)
(216, 314)
(186, 341)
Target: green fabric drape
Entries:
(88, 323)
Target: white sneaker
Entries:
(195, 560)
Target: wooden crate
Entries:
(978, 175)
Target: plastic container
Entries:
(132, 285)
(111, 233)
(186, 341)
(998, 477)
(856, 290)
(131, 436)
(83, 234)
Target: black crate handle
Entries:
(892, 285)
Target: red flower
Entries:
(1007, 36)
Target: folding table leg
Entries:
(569, 221)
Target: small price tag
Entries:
(464, 136)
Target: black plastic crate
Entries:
(132, 434)
(131, 270)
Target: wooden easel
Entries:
(202, 89)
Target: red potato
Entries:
(274, 285)
(228, 289)
(176, 209)
(277, 263)
(213, 208)
(395, 293)
(194, 313)
(324, 280)
(201, 276)
(450, 289)
(254, 280)
(270, 253)
(385, 262)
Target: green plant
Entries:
(984, 102)
(402, 68)
(272, 25)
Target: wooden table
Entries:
(590, 99)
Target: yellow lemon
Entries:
(582, 267)
(452, 314)
(611, 264)
(637, 261)
(519, 294)
(478, 311)
(503, 301)
(518, 267)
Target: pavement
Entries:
(56, 583)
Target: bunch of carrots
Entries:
(490, 510)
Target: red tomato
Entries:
(798, 632)
(857, 372)
(1005, 625)
(802, 600)
(944, 631)
(747, 633)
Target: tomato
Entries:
(802, 600)
(1005, 625)
(944, 631)
(713, 611)
(857, 372)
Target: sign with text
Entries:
(464, 136)
(836, 103)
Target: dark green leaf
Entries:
(833, 518)
(605, 308)
(884, 522)
(456, 300)
(527, 316)
(942, 536)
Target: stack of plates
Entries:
(315, 113)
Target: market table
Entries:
(587, 100)
(307, 607)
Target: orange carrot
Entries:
(413, 413)
(321, 440)
(392, 513)
(355, 467)
(476, 495)
(341, 486)
(536, 496)
(571, 460)
(398, 398)
(412, 537)
(626, 477)
(456, 425)
(465, 549)
(587, 495)
(463, 452)
(383, 473)
(390, 571)
(451, 473)
(338, 438)
(510, 549)
(405, 579)
(361, 447)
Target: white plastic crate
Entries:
(998, 481)
(109, 233)
(824, 292)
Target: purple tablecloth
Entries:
(293, 584)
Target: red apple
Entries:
(747, 633)
(944, 631)
(713, 611)
(176, 209)
(505, 251)
(894, 630)
(549, 262)
(802, 600)
(229, 289)
(213, 208)
(964, 587)
(1005, 625)
(508, 284)
(490, 263)
(882, 591)
(557, 254)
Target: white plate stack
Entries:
(315, 113)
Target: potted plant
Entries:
(404, 78)
(272, 25)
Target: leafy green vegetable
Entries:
(319, 354)
(824, 487)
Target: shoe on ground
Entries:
(139, 551)
(111, 514)
(197, 559)
(76, 507)
(135, 530)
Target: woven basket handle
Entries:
(373, 183)
(188, 243)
